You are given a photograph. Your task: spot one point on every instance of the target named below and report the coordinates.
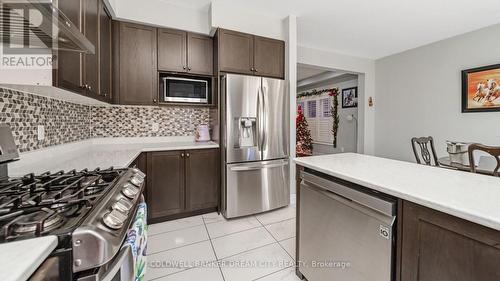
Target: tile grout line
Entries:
(264, 276)
(213, 249)
(279, 242)
(190, 244)
(184, 228)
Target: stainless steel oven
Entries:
(184, 89)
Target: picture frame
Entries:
(481, 89)
(350, 97)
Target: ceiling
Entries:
(304, 72)
(367, 28)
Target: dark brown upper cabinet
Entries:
(248, 54)
(235, 52)
(105, 53)
(91, 61)
(135, 66)
(180, 51)
(200, 54)
(269, 57)
(172, 45)
(87, 74)
(67, 73)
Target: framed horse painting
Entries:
(481, 89)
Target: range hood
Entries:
(42, 24)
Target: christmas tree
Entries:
(304, 140)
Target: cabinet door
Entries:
(202, 179)
(172, 50)
(68, 73)
(200, 54)
(269, 57)
(137, 64)
(165, 184)
(91, 61)
(437, 246)
(104, 53)
(235, 52)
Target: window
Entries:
(311, 109)
(325, 108)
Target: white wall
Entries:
(346, 137)
(419, 94)
(161, 13)
(230, 16)
(365, 68)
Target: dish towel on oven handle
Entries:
(137, 239)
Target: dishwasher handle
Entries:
(347, 193)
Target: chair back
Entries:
(491, 150)
(426, 151)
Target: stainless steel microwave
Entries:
(180, 89)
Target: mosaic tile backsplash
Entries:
(68, 122)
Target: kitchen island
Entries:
(448, 222)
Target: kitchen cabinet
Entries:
(105, 57)
(86, 74)
(437, 246)
(248, 54)
(135, 66)
(181, 183)
(165, 183)
(172, 50)
(67, 73)
(91, 61)
(180, 51)
(201, 178)
(269, 57)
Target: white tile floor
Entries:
(211, 248)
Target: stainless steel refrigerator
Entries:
(255, 144)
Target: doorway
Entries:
(317, 89)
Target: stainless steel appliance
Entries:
(90, 211)
(255, 139)
(346, 233)
(184, 89)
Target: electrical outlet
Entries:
(155, 127)
(40, 131)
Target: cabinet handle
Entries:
(155, 101)
(252, 69)
(189, 68)
(182, 155)
(84, 86)
(184, 67)
(255, 69)
(187, 155)
(89, 87)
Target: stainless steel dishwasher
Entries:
(345, 234)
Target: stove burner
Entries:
(38, 221)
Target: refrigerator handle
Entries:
(260, 118)
(264, 117)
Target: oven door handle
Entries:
(124, 263)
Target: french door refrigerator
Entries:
(255, 139)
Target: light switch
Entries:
(40, 132)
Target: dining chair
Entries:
(428, 156)
(491, 150)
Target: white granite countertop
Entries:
(20, 259)
(100, 152)
(469, 196)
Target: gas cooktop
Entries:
(50, 203)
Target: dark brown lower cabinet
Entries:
(440, 247)
(181, 183)
(165, 183)
(202, 179)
